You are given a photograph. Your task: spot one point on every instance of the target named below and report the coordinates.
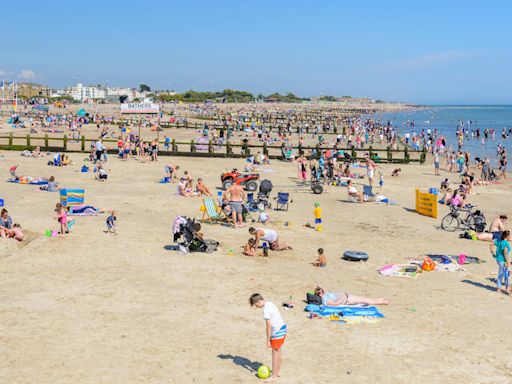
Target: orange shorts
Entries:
(277, 343)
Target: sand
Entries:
(101, 308)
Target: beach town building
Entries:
(86, 93)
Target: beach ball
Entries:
(263, 372)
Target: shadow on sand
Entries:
(251, 366)
(480, 285)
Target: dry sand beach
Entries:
(101, 308)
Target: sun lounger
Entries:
(212, 212)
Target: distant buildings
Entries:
(84, 94)
(92, 94)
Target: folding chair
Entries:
(213, 213)
(368, 193)
(282, 201)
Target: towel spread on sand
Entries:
(41, 182)
(395, 270)
(346, 310)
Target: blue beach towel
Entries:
(31, 183)
(346, 310)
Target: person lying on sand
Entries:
(396, 172)
(334, 299)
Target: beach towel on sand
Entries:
(346, 310)
(31, 183)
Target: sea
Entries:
(447, 118)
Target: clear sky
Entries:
(449, 51)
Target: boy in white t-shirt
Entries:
(276, 331)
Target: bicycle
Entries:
(474, 221)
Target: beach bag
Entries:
(311, 298)
(428, 264)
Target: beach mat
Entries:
(346, 310)
(31, 183)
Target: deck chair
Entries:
(282, 201)
(212, 212)
(368, 194)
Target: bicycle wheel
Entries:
(450, 223)
(471, 222)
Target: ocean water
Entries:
(446, 120)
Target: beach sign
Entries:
(143, 108)
(426, 203)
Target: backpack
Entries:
(311, 298)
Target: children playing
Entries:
(318, 217)
(276, 331)
(263, 217)
(250, 248)
(111, 223)
(62, 218)
(322, 260)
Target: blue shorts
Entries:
(496, 235)
(318, 221)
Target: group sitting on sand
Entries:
(8, 229)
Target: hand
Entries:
(269, 345)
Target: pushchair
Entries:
(186, 229)
(264, 193)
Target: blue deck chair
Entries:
(282, 201)
(368, 193)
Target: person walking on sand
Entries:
(500, 250)
(98, 149)
(235, 195)
(370, 169)
(275, 331)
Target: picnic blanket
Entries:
(345, 310)
(397, 270)
(41, 182)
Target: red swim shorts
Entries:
(277, 343)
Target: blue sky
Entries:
(433, 51)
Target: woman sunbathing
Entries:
(334, 299)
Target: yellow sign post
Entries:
(426, 203)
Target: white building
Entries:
(81, 93)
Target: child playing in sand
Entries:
(318, 216)
(250, 248)
(111, 223)
(263, 217)
(322, 260)
(396, 172)
(62, 218)
(276, 331)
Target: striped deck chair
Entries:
(213, 213)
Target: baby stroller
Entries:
(264, 193)
(187, 229)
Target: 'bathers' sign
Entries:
(144, 108)
(426, 204)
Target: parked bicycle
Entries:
(474, 220)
